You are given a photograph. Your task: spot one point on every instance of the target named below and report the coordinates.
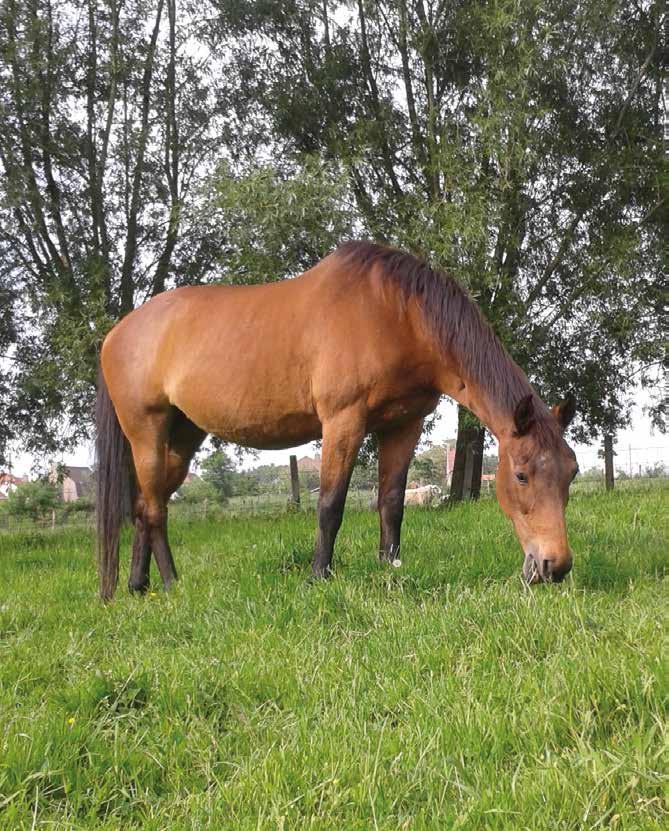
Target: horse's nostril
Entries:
(531, 570)
(546, 569)
(555, 571)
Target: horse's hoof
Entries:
(138, 588)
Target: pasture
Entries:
(444, 694)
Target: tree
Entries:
(110, 122)
(280, 220)
(197, 492)
(33, 500)
(364, 476)
(516, 143)
(429, 467)
(519, 144)
(218, 470)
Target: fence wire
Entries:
(634, 467)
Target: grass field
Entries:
(440, 695)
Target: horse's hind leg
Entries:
(162, 455)
(185, 440)
(342, 437)
(149, 452)
(138, 580)
(396, 447)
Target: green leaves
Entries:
(516, 143)
(33, 500)
(218, 472)
(280, 221)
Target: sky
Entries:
(639, 445)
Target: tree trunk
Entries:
(470, 436)
(477, 446)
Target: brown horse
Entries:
(365, 342)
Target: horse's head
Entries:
(536, 468)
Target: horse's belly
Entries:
(271, 434)
(263, 421)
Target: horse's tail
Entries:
(114, 487)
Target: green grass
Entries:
(440, 695)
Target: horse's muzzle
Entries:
(545, 569)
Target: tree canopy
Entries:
(146, 144)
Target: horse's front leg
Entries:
(342, 437)
(396, 448)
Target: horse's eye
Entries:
(522, 478)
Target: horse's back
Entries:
(260, 365)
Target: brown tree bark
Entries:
(477, 447)
(470, 439)
(127, 283)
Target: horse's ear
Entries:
(523, 416)
(565, 411)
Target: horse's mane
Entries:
(457, 323)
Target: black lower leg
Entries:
(391, 512)
(161, 550)
(396, 449)
(141, 559)
(330, 513)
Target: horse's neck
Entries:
(476, 398)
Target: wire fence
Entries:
(628, 462)
(635, 467)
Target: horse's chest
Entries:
(403, 409)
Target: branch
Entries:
(52, 188)
(376, 101)
(418, 143)
(33, 193)
(557, 259)
(635, 87)
(431, 106)
(171, 160)
(131, 239)
(661, 362)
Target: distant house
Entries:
(487, 478)
(309, 465)
(450, 461)
(9, 483)
(76, 482)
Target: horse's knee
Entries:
(139, 507)
(154, 517)
(392, 502)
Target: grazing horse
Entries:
(364, 342)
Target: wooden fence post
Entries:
(294, 480)
(608, 461)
